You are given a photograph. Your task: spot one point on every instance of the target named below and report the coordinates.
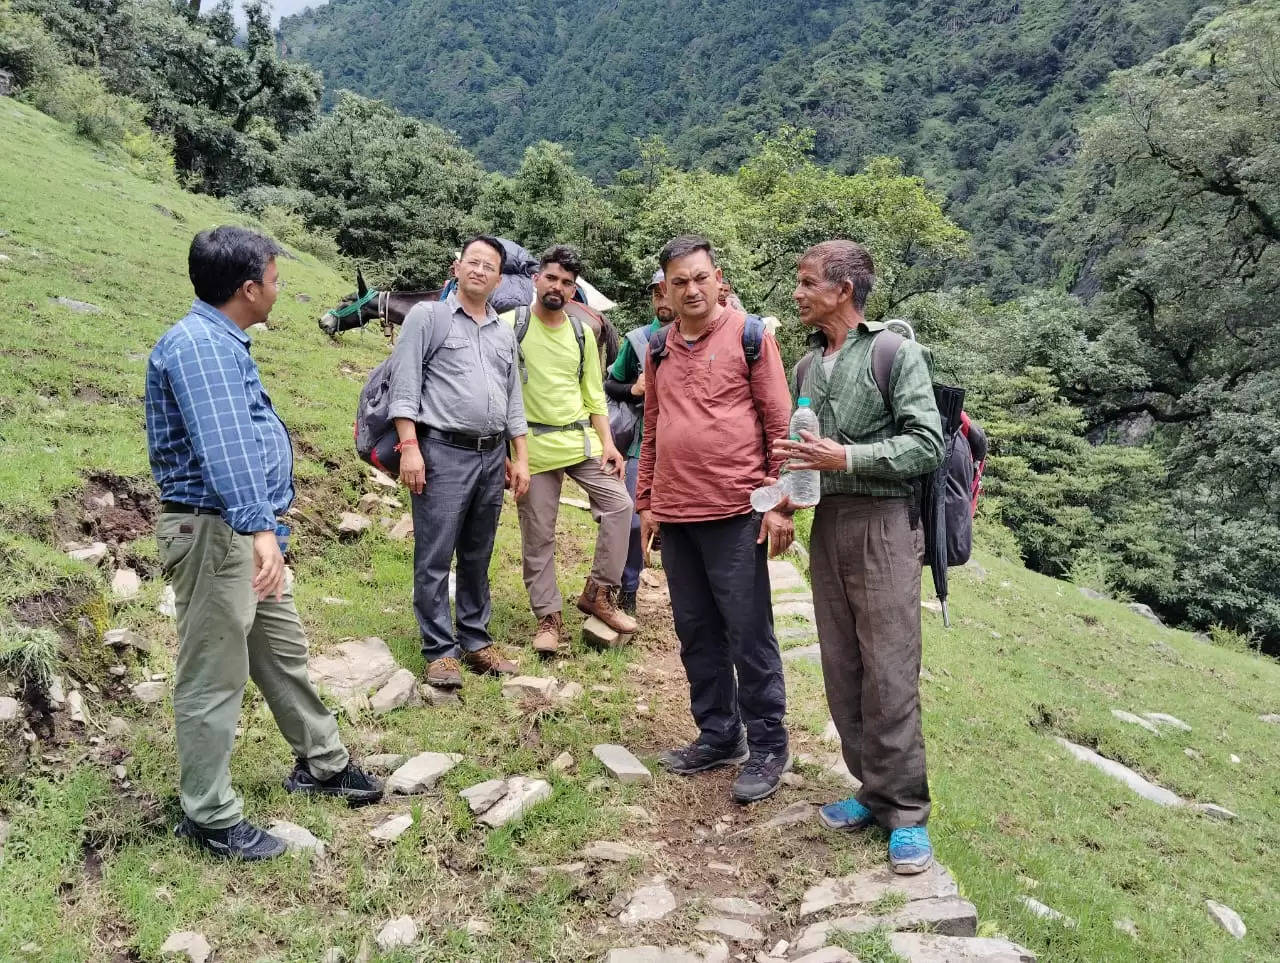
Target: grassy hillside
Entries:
(89, 870)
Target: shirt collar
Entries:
(455, 304)
(713, 325)
(211, 314)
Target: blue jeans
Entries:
(635, 551)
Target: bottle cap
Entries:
(802, 402)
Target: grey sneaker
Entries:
(698, 757)
(761, 776)
(352, 784)
(241, 841)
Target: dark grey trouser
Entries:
(719, 582)
(635, 551)
(457, 512)
(865, 565)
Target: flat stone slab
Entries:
(483, 795)
(1146, 612)
(1134, 720)
(189, 945)
(802, 609)
(1271, 717)
(401, 931)
(622, 764)
(718, 953)
(1164, 719)
(168, 604)
(421, 772)
(948, 916)
(568, 692)
(402, 529)
(392, 829)
(10, 710)
(738, 931)
(863, 888)
(599, 635)
(793, 815)
(1143, 787)
(148, 693)
(385, 761)
(785, 577)
(1215, 812)
(807, 653)
(1037, 908)
(1227, 918)
(653, 901)
(527, 686)
(296, 838)
(354, 667)
(400, 690)
(738, 906)
(523, 793)
(93, 553)
(829, 954)
(79, 307)
(612, 852)
(926, 948)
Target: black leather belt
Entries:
(458, 439)
(177, 508)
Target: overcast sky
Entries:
(280, 8)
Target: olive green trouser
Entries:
(225, 637)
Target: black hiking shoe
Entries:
(761, 776)
(241, 841)
(352, 784)
(698, 757)
(627, 602)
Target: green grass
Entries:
(91, 872)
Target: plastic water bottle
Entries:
(806, 486)
(766, 497)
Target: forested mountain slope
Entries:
(981, 97)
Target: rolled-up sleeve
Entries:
(406, 362)
(210, 389)
(916, 448)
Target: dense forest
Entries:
(1132, 392)
(982, 99)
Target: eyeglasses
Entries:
(480, 267)
(278, 283)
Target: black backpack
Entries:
(376, 436)
(752, 339)
(953, 477)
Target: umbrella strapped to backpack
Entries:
(933, 502)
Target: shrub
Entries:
(27, 49)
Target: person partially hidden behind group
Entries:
(456, 413)
(223, 462)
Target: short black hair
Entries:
(223, 258)
(683, 246)
(563, 255)
(492, 242)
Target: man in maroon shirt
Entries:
(710, 416)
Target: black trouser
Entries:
(719, 582)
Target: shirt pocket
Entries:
(454, 359)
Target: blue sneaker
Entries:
(910, 851)
(847, 814)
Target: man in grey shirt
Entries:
(455, 412)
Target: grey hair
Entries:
(845, 261)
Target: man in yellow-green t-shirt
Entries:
(568, 435)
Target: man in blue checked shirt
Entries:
(224, 464)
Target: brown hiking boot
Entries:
(546, 641)
(445, 674)
(489, 661)
(597, 600)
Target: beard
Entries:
(665, 314)
(552, 300)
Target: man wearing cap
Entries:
(625, 383)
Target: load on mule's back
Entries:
(515, 288)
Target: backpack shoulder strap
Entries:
(883, 351)
(523, 313)
(752, 338)
(582, 341)
(441, 322)
(658, 346)
(802, 370)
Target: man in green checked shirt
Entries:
(868, 542)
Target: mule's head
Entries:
(353, 311)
